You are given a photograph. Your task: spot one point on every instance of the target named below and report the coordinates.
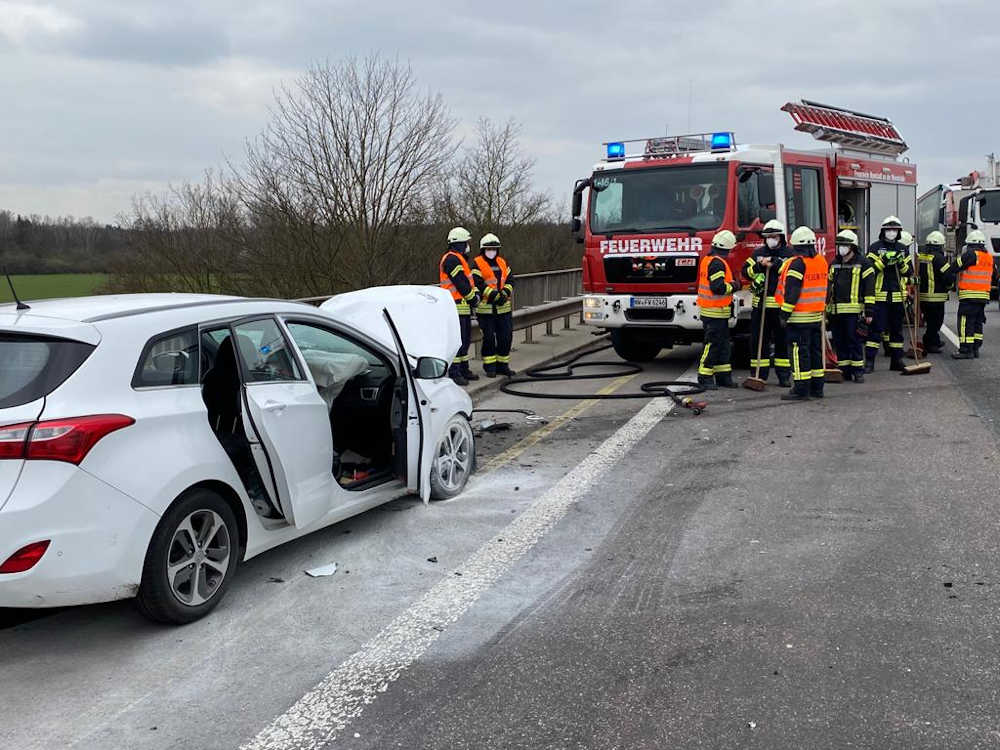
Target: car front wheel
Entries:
(454, 459)
(191, 559)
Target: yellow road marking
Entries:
(543, 432)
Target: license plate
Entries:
(649, 302)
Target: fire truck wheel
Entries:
(631, 348)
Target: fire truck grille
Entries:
(659, 269)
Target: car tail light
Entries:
(12, 440)
(68, 440)
(25, 558)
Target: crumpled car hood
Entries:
(425, 317)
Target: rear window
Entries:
(32, 366)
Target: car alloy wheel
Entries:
(198, 557)
(454, 459)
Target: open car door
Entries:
(419, 445)
(287, 422)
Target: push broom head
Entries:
(920, 368)
(755, 384)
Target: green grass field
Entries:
(46, 286)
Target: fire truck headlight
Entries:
(592, 302)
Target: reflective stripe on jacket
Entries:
(851, 286)
(935, 280)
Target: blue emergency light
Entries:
(722, 141)
(616, 150)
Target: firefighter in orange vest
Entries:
(456, 277)
(496, 319)
(716, 285)
(801, 294)
(975, 277)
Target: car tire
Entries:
(454, 459)
(631, 348)
(191, 559)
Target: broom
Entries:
(918, 368)
(755, 383)
(830, 374)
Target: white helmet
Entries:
(892, 222)
(905, 238)
(459, 234)
(847, 237)
(803, 236)
(773, 227)
(724, 240)
(489, 240)
(935, 238)
(975, 237)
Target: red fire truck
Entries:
(649, 210)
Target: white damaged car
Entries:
(150, 443)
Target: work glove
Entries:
(504, 297)
(475, 300)
(758, 283)
(892, 257)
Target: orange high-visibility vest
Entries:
(706, 299)
(446, 282)
(974, 282)
(491, 278)
(812, 299)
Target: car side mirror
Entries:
(430, 368)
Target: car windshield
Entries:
(989, 207)
(658, 199)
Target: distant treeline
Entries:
(45, 244)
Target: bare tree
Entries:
(348, 164)
(492, 186)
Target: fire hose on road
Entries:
(682, 392)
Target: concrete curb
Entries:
(493, 384)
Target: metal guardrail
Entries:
(539, 298)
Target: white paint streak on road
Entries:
(342, 695)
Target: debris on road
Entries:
(432, 559)
(274, 579)
(752, 724)
(322, 570)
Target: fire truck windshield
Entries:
(659, 199)
(989, 207)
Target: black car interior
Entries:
(366, 416)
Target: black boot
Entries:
(897, 364)
(504, 369)
(870, 365)
(975, 352)
(725, 380)
(963, 353)
(707, 382)
(784, 381)
(794, 395)
(458, 376)
(859, 377)
(489, 371)
(469, 374)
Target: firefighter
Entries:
(716, 285)
(852, 295)
(456, 277)
(891, 261)
(801, 295)
(975, 277)
(935, 279)
(496, 319)
(762, 268)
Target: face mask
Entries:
(891, 235)
(772, 242)
(843, 250)
(491, 254)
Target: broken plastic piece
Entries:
(322, 570)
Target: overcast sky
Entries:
(104, 98)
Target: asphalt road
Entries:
(626, 576)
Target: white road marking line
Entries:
(950, 335)
(342, 695)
